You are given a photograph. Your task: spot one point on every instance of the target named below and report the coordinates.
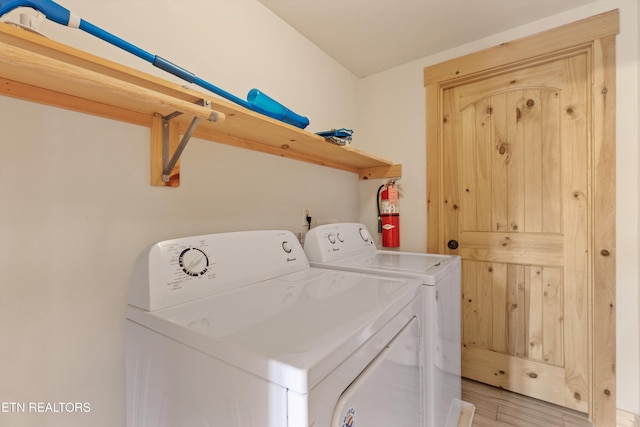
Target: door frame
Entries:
(597, 35)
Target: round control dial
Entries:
(194, 262)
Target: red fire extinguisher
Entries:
(389, 214)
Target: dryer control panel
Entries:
(179, 270)
(332, 242)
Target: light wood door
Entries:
(520, 185)
(516, 151)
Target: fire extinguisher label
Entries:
(388, 227)
(393, 194)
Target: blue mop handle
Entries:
(56, 13)
(158, 61)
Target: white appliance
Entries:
(236, 329)
(350, 247)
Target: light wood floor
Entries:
(501, 408)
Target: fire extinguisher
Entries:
(389, 215)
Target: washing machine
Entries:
(350, 247)
(236, 329)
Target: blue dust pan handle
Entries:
(63, 16)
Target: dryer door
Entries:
(388, 391)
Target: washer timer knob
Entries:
(194, 262)
(364, 234)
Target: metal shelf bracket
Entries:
(169, 163)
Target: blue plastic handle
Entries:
(264, 104)
(116, 41)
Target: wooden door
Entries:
(520, 181)
(517, 160)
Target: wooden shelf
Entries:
(35, 68)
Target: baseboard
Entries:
(627, 419)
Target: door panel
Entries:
(515, 156)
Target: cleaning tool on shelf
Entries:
(256, 100)
(340, 136)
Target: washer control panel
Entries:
(179, 270)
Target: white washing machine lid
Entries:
(292, 330)
(428, 268)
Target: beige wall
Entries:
(76, 207)
(401, 136)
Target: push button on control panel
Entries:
(364, 234)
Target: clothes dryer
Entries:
(236, 329)
(350, 247)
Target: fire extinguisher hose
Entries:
(379, 213)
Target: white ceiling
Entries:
(368, 36)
